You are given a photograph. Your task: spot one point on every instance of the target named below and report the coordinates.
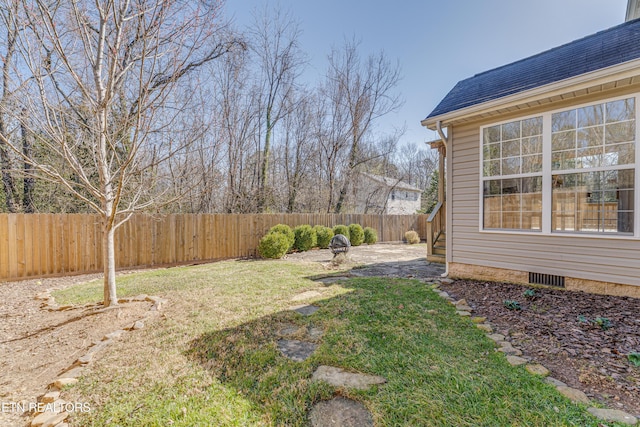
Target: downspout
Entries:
(446, 148)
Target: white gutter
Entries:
(445, 141)
(442, 136)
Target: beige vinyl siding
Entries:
(593, 258)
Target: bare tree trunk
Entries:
(109, 258)
(29, 181)
(264, 168)
(8, 182)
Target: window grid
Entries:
(590, 180)
(512, 175)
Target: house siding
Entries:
(601, 258)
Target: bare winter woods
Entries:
(116, 106)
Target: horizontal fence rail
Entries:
(44, 245)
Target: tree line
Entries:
(232, 127)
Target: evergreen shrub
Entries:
(305, 238)
(356, 234)
(323, 236)
(370, 236)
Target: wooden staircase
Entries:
(436, 235)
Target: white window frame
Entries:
(547, 174)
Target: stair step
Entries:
(439, 251)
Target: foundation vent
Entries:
(546, 279)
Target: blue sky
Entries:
(437, 43)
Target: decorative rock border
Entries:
(54, 414)
(513, 356)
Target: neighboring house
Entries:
(543, 167)
(383, 195)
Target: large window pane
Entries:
(513, 204)
(532, 127)
(491, 134)
(503, 147)
(594, 202)
(590, 116)
(589, 130)
(563, 121)
(624, 109)
(620, 132)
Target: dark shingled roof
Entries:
(597, 51)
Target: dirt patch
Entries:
(583, 339)
(36, 345)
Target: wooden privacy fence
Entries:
(40, 245)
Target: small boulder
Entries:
(60, 383)
(484, 327)
(516, 361)
(613, 415)
(555, 382)
(537, 369)
(49, 419)
(50, 397)
(573, 394)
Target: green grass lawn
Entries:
(212, 360)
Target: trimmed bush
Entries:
(341, 229)
(323, 236)
(356, 234)
(370, 236)
(273, 245)
(412, 237)
(305, 238)
(286, 230)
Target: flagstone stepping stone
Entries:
(295, 350)
(288, 330)
(340, 378)
(306, 295)
(332, 280)
(305, 310)
(315, 333)
(340, 412)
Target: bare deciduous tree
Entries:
(101, 74)
(365, 93)
(7, 62)
(275, 44)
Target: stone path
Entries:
(338, 412)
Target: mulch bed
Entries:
(583, 339)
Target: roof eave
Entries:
(583, 81)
